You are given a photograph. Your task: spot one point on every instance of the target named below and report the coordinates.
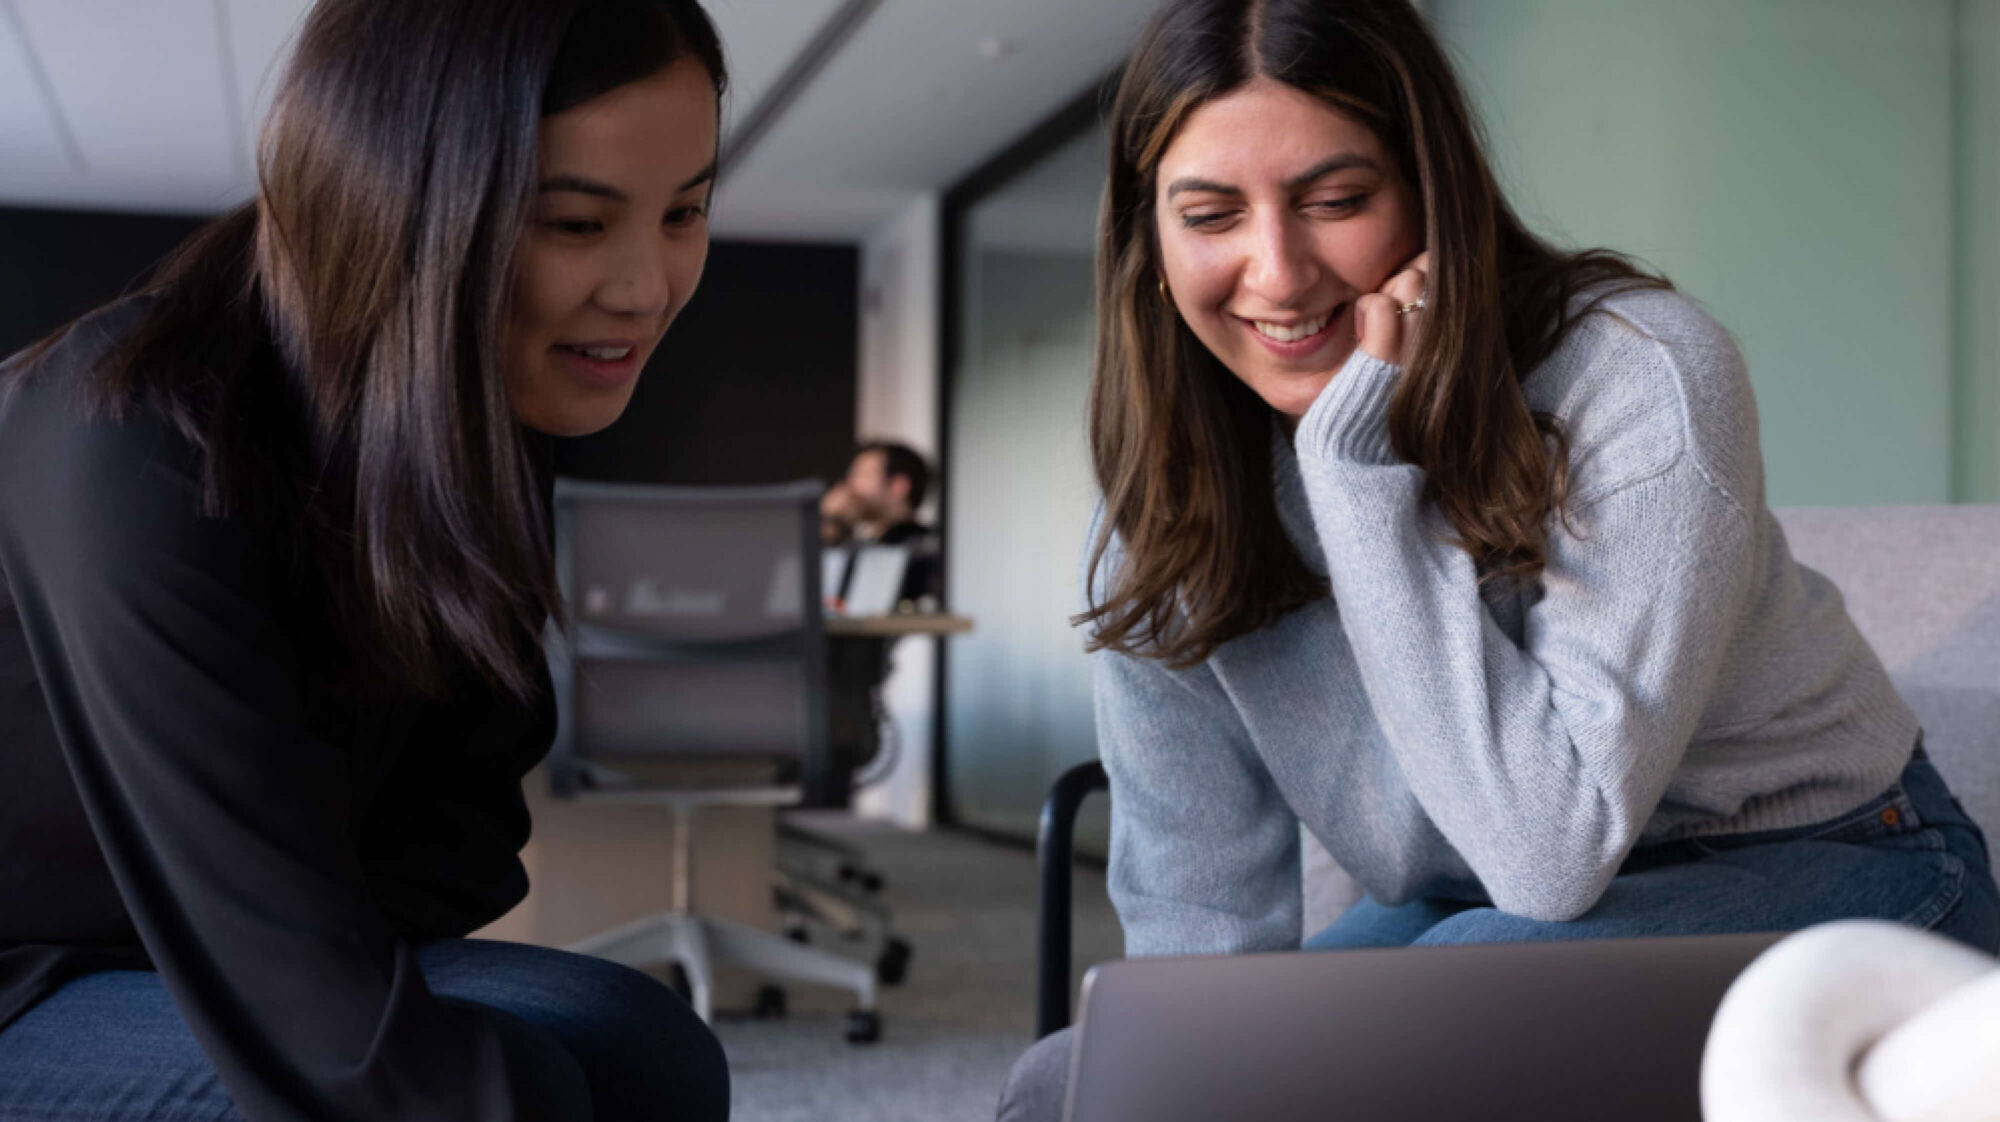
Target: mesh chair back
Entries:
(695, 629)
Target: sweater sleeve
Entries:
(175, 689)
(1204, 850)
(1539, 762)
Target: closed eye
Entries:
(1206, 220)
(687, 215)
(1347, 205)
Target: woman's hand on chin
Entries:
(1380, 319)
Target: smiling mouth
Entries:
(1293, 332)
(597, 354)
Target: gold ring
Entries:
(1416, 305)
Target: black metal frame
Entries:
(1056, 852)
(1064, 125)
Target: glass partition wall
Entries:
(1018, 484)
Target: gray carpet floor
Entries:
(954, 1027)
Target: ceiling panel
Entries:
(28, 135)
(759, 39)
(260, 37)
(162, 96)
(926, 91)
(141, 87)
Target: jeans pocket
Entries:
(1950, 890)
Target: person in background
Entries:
(877, 500)
(1449, 545)
(876, 503)
(275, 563)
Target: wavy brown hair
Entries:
(1181, 447)
(334, 347)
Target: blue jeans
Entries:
(1911, 856)
(589, 1039)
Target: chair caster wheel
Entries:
(863, 1026)
(893, 965)
(770, 1004)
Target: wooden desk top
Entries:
(898, 623)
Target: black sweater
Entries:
(186, 786)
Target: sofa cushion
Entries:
(1923, 584)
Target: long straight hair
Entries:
(334, 347)
(1181, 447)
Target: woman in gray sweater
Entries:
(1448, 544)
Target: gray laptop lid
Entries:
(1549, 1032)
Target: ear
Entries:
(899, 486)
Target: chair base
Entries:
(696, 942)
(852, 914)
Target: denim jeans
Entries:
(586, 1038)
(1911, 855)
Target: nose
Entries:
(640, 280)
(1281, 268)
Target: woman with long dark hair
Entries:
(1447, 544)
(275, 541)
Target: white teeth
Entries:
(1294, 332)
(607, 354)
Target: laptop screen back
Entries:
(1547, 1032)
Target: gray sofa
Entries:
(1923, 584)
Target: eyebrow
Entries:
(1341, 162)
(583, 186)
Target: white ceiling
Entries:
(149, 105)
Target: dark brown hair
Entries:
(1181, 447)
(903, 460)
(333, 348)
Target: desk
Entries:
(895, 625)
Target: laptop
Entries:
(1541, 1032)
(876, 580)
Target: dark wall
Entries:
(56, 265)
(755, 383)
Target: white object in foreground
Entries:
(1858, 1021)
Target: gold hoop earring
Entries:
(1164, 294)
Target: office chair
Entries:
(827, 887)
(692, 673)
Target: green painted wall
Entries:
(1976, 466)
(1791, 164)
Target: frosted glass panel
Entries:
(1787, 162)
(1020, 490)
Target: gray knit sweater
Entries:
(1672, 673)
